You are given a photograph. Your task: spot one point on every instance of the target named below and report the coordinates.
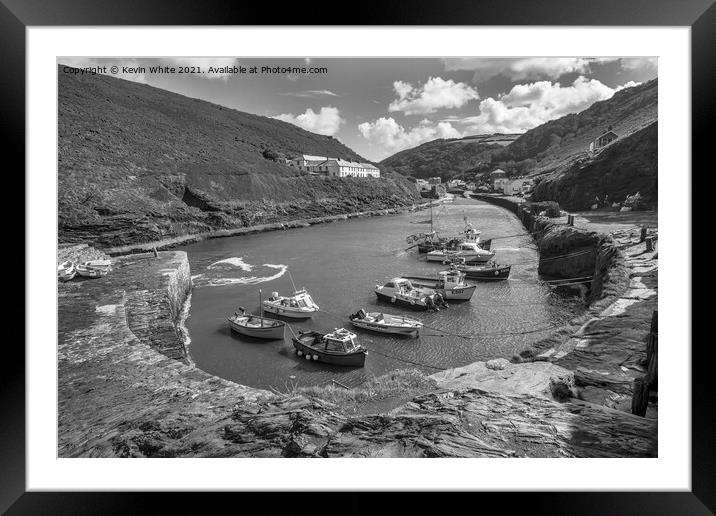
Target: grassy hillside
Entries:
(550, 147)
(137, 162)
(557, 144)
(627, 166)
(447, 158)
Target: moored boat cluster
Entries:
(467, 256)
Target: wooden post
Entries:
(642, 237)
(640, 397)
(649, 243)
(156, 254)
(570, 220)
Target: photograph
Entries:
(358, 257)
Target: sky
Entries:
(380, 106)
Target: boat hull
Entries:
(355, 359)
(417, 306)
(288, 312)
(273, 332)
(384, 328)
(461, 293)
(488, 274)
(89, 272)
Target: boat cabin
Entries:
(471, 234)
(340, 340)
(450, 277)
(300, 299)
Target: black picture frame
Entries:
(17, 15)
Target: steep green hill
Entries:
(558, 143)
(549, 147)
(627, 166)
(447, 157)
(136, 163)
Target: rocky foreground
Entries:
(127, 389)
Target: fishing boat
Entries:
(336, 348)
(470, 251)
(488, 272)
(256, 326)
(450, 284)
(66, 271)
(400, 291)
(88, 271)
(385, 323)
(298, 306)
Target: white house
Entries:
(423, 185)
(515, 186)
(342, 168)
(306, 162)
(498, 184)
(603, 140)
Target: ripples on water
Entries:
(340, 264)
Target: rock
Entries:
(497, 364)
(540, 379)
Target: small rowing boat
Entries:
(88, 271)
(336, 348)
(487, 272)
(385, 323)
(66, 271)
(256, 325)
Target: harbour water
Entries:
(340, 264)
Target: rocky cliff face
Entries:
(625, 167)
(138, 164)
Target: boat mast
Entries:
(261, 304)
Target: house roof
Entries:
(308, 157)
(345, 163)
(497, 172)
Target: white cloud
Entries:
(639, 63)
(311, 93)
(528, 105)
(521, 68)
(393, 137)
(327, 121)
(525, 68)
(435, 94)
(629, 84)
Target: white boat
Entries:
(66, 271)
(401, 292)
(91, 272)
(470, 251)
(256, 326)
(450, 284)
(298, 306)
(99, 264)
(386, 323)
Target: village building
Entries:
(517, 186)
(423, 185)
(306, 162)
(603, 140)
(499, 183)
(434, 180)
(341, 168)
(333, 166)
(498, 178)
